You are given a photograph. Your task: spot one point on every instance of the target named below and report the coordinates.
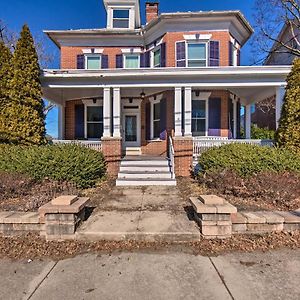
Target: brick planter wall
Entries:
(112, 151)
(183, 148)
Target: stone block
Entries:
(226, 208)
(64, 200)
(239, 228)
(60, 229)
(27, 227)
(238, 218)
(214, 217)
(253, 218)
(211, 200)
(289, 216)
(6, 227)
(201, 208)
(271, 217)
(262, 228)
(60, 217)
(291, 227)
(216, 230)
(4, 214)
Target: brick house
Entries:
(137, 88)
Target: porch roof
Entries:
(248, 82)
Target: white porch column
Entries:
(234, 133)
(280, 93)
(117, 112)
(248, 121)
(177, 111)
(61, 121)
(188, 111)
(106, 112)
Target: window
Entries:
(94, 122)
(121, 18)
(156, 58)
(93, 62)
(197, 55)
(199, 115)
(132, 61)
(156, 120)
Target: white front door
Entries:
(131, 130)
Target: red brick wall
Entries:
(183, 148)
(172, 37)
(112, 151)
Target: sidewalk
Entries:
(167, 275)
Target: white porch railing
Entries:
(95, 145)
(202, 144)
(171, 157)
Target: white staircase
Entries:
(145, 171)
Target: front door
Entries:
(131, 130)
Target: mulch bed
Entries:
(267, 191)
(31, 246)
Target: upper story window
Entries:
(132, 61)
(92, 62)
(197, 54)
(121, 18)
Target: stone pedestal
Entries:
(62, 216)
(112, 151)
(213, 215)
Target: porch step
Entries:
(145, 182)
(133, 151)
(145, 171)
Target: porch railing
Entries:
(172, 157)
(95, 145)
(202, 144)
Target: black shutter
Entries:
(163, 55)
(104, 61)
(180, 54)
(148, 121)
(230, 54)
(119, 61)
(79, 121)
(145, 60)
(238, 120)
(230, 109)
(214, 112)
(214, 53)
(163, 119)
(80, 61)
(238, 57)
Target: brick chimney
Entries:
(151, 10)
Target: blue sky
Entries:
(74, 14)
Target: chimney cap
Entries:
(152, 2)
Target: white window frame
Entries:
(131, 54)
(153, 101)
(187, 53)
(152, 56)
(86, 56)
(89, 103)
(112, 17)
(203, 96)
(235, 48)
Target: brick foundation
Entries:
(183, 148)
(112, 151)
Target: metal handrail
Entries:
(172, 157)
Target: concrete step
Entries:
(146, 182)
(143, 168)
(144, 175)
(164, 162)
(133, 151)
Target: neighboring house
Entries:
(265, 113)
(132, 85)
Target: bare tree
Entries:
(273, 17)
(10, 38)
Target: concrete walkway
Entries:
(168, 275)
(146, 213)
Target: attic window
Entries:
(121, 18)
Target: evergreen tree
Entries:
(26, 123)
(288, 133)
(5, 77)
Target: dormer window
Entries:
(121, 18)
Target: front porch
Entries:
(137, 110)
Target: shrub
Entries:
(258, 133)
(247, 160)
(72, 163)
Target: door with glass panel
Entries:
(131, 130)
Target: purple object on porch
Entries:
(214, 132)
(163, 135)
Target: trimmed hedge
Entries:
(73, 163)
(247, 160)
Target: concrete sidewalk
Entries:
(167, 275)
